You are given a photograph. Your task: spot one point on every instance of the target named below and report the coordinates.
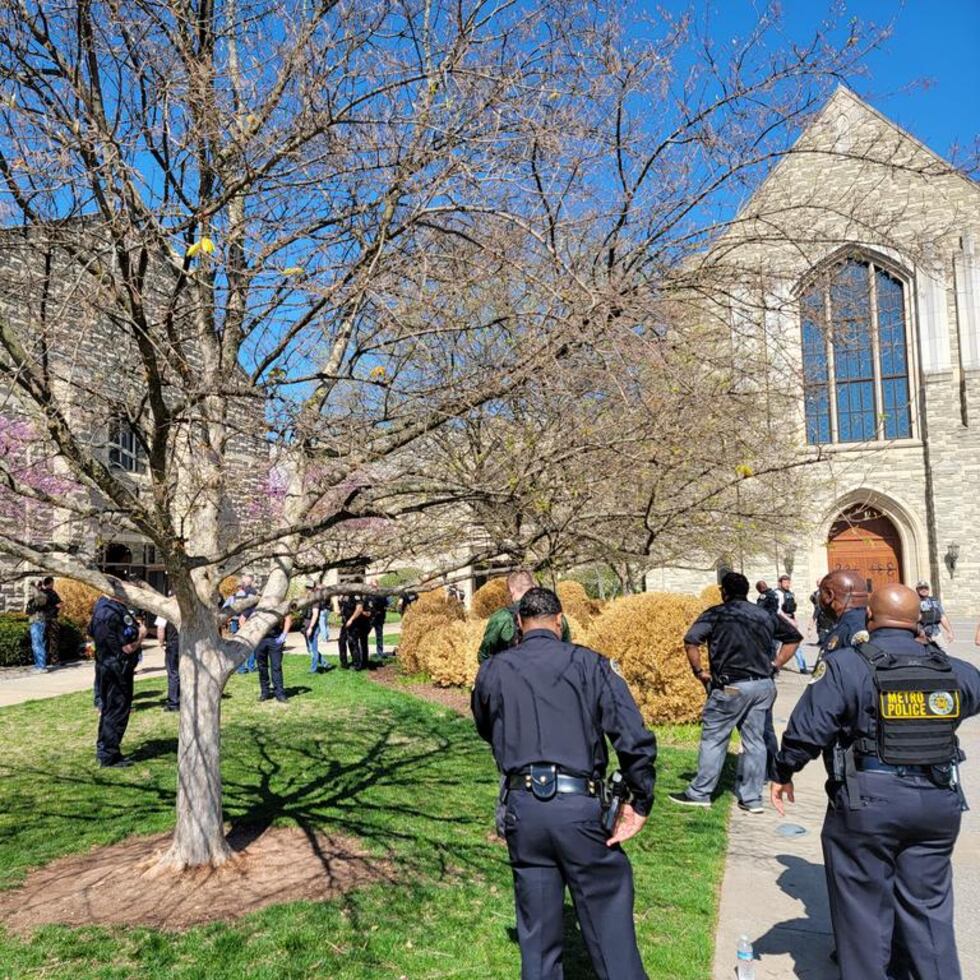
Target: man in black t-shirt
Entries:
(740, 638)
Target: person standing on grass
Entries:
(246, 588)
(378, 610)
(268, 655)
(311, 633)
(37, 606)
(168, 636)
(546, 707)
(740, 637)
(503, 629)
(118, 639)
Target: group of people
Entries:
(882, 707)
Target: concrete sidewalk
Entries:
(18, 684)
(774, 890)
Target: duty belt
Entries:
(544, 781)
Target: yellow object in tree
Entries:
(205, 245)
(743, 470)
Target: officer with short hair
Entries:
(546, 707)
(887, 708)
(843, 595)
(118, 638)
(767, 598)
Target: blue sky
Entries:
(934, 41)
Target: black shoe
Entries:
(171, 707)
(265, 697)
(282, 698)
(121, 763)
(751, 807)
(326, 668)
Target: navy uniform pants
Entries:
(116, 694)
(557, 843)
(268, 654)
(890, 880)
(172, 662)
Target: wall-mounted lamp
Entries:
(951, 558)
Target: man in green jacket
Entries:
(502, 630)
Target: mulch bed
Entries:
(449, 697)
(121, 885)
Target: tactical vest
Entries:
(918, 708)
(789, 602)
(929, 612)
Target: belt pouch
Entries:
(544, 781)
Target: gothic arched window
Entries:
(855, 356)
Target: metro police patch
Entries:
(818, 671)
(834, 643)
(616, 669)
(128, 620)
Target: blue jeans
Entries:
(313, 649)
(38, 646)
(742, 705)
(325, 624)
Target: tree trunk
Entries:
(199, 837)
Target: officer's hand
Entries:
(777, 792)
(629, 824)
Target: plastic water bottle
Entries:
(745, 962)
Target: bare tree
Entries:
(293, 249)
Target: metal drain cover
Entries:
(790, 830)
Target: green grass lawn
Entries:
(408, 778)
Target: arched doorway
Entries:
(865, 540)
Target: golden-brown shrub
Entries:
(645, 634)
(575, 602)
(450, 659)
(710, 595)
(77, 601)
(437, 603)
(490, 597)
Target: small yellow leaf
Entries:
(293, 270)
(193, 250)
(207, 246)
(378, 373)
(743, 470)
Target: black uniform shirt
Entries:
(851, 621)
(740, 638)
(112, 627)
(553, 702)
(840, 701)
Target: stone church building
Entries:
(858, 286)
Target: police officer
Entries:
(932, 615)
(347, 606)
(888, 708)
(787, 609)
(767, 598)
(546, 708)
(843, 595)
(268, 654)
(741, 639)
(118, 638)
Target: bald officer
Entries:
(546, 708)
(844, 596)
(888, 708)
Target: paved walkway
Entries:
(774, 890)
(18, 684)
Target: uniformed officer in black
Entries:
(844, 595)
(546, 708)
(168, 636)
(888, 707)
(118, 637)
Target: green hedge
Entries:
(15, 641)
